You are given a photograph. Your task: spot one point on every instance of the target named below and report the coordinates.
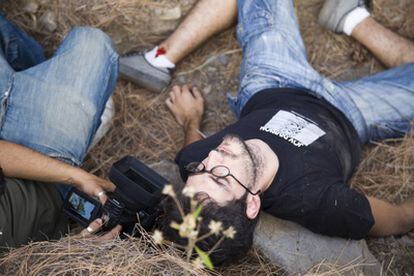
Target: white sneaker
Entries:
(106, 122)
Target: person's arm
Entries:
(20, 162)
(391, 219)
(192, 134)
(187, 107)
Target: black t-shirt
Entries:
(318, 150)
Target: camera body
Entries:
(136, 198)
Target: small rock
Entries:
(169, 170)
(223, 59)
(169, 14)
(406, 241)
(48, 20)
(186, 2)
(211, 69)
(31, 7)
(182, 80)
(207, 89)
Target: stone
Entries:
(31, 7)
(207, 89)
(223, 59)
(297, 249)
(406, 241)
(48, 20)
(182, 80)
(169, 170)
(211, 69)
(169, 14)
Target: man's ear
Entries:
(253, 206)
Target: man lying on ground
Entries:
(299, 135)
(49, 115)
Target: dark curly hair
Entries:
(233, 214)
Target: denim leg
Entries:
(274, 54)
(55, 107)
(18, 49)
(386, 101)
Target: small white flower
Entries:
(168, 190)
(187, 227)
(198, 263)
(193, 234)
(189, 192)
(189, 221)
(158, 237)
(229, 233)
(215, 227)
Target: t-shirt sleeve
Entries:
(343, 212)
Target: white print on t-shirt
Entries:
(294, 128)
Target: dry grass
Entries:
(74, 256)
(144, 128)
(387, 170)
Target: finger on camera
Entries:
(100, 195)
(94, 227)
(111, 234)
(109, 186)
(103, 198)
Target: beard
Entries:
(252, 158)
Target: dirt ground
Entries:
(144, 128)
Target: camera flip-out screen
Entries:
(81, 207)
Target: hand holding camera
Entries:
(135, 199)
(92, 185)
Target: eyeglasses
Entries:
(219, 171)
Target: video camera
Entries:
(136, 198)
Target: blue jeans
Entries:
(274, 56)
(54, 106)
